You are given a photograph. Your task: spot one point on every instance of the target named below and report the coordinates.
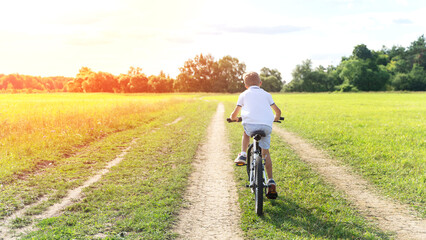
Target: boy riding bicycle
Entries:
(256, 107)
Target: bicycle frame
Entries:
(257, 153)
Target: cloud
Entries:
(402, 21)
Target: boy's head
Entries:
(252, 79)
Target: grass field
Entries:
(51, 143)
(381, 135)
(43, 129)
(140, 197)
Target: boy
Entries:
(256, 107)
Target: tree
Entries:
(417, 52)
(138, 82)
(160, 83)
(418, 79)
(271, 80)
(305, 79)
(197, 75)
(300, 75)
(358, 73)
(361, 52)
(204, 74)
(76, 85)
(229, 75)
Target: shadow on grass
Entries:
(288, 216)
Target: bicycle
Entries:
(256, 168)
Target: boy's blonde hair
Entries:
(251, 79)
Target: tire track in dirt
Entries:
(56, 209)
(72, 197)
(212, 210)
(387, 214)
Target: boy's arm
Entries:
(234, 114)
(277, 112)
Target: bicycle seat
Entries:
(258, 132)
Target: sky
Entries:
(57, 38)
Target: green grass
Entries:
(140, 197)
(307, 208)
(60, 173)
(39, 129)
(380, 135)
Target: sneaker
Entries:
(240, 160)
(272, 190)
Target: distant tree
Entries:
(271, 80)
(138, 82)
(123, 83)
(418, 78)
(229, 75)
(76, 85)
(160, 83)
(401, 81)
(359, 74)
(197, 75)
(417, 52)
(108, 82)
(305, 79)
(362, 52)
(398, 65)
(301, 74)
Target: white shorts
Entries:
(265, 142)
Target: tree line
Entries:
(201, 74)
(24, 83)
(388, 69)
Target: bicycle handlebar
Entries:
(241, 119)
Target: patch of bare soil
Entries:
(212, 210)
(387, 214)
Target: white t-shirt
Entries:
(256, 106)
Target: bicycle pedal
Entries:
(272, 195)
(240, 164)
(247, 185)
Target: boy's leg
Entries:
(268, 162)
(242, 157)
(245, 141)
(272, 188)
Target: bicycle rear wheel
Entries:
(258, 186)
(249, 159)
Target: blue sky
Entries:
(48, 37)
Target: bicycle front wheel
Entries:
(258, 186)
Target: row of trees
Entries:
(204, 74)
(15, 82)
(397, 68)
(201, 74)
(133, 82)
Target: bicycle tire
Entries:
(258, 191)
(249, 159)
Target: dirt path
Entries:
(389, 215)
(212, 210)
